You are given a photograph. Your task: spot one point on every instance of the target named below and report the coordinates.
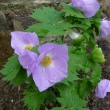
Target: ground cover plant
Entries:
(55, 72)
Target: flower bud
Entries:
(77, 38)
(97, 55)
(104, 28)
(102, 88)
(88, 7)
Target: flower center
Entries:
(46, 61)
(28, 47)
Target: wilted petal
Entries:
(28, 60)
(102, 88)
(105, 28)
(19, 40)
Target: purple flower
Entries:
(28, 60)
(78, 3)
(88, 7)
(21, 41)
(50, 67)
(102, 88)
(105, 28)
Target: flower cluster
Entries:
(89, 8)
(47, 68)
(75, 67)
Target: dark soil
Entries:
(11, 98)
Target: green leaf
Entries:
(37, 28)
(85, 87)
(70, 10)
(33, 98)
(70, 97)
(58, 28)
(51, 21)
(77, 61)
(58, 108)
(86, 22)
(96, 74)
(11, 68)
(80, 26)
(20, 78)
(51, 98)
(98, 13)
(87, 35)
(47, 14)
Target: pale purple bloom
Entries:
(78, 3)
(102, 88)
(21, 41)
(88, 7)
(28, 60)
(50, 67)
(105, 28)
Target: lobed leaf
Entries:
(11, 68)
(20, 78)
(96, 74)
(70, 10)
(70, 97)
(52, 22)
(33, 98)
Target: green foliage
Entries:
(70, 98)
(51, 98)
(96, 21)
(70, 10)
(77, 61)
(96, 74)
(80, 26)
(98, 13)
(20, 78)
(84, 72)
(38, 29)
(85, 87)
(81, 66)
(33, 98)
(97, 54)
(52, 22)
(11, 68)
(57, 108)
(47, 15)
(14, 72)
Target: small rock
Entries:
(12, 101)
(17, 26)
(10, 14)
(2, 18)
